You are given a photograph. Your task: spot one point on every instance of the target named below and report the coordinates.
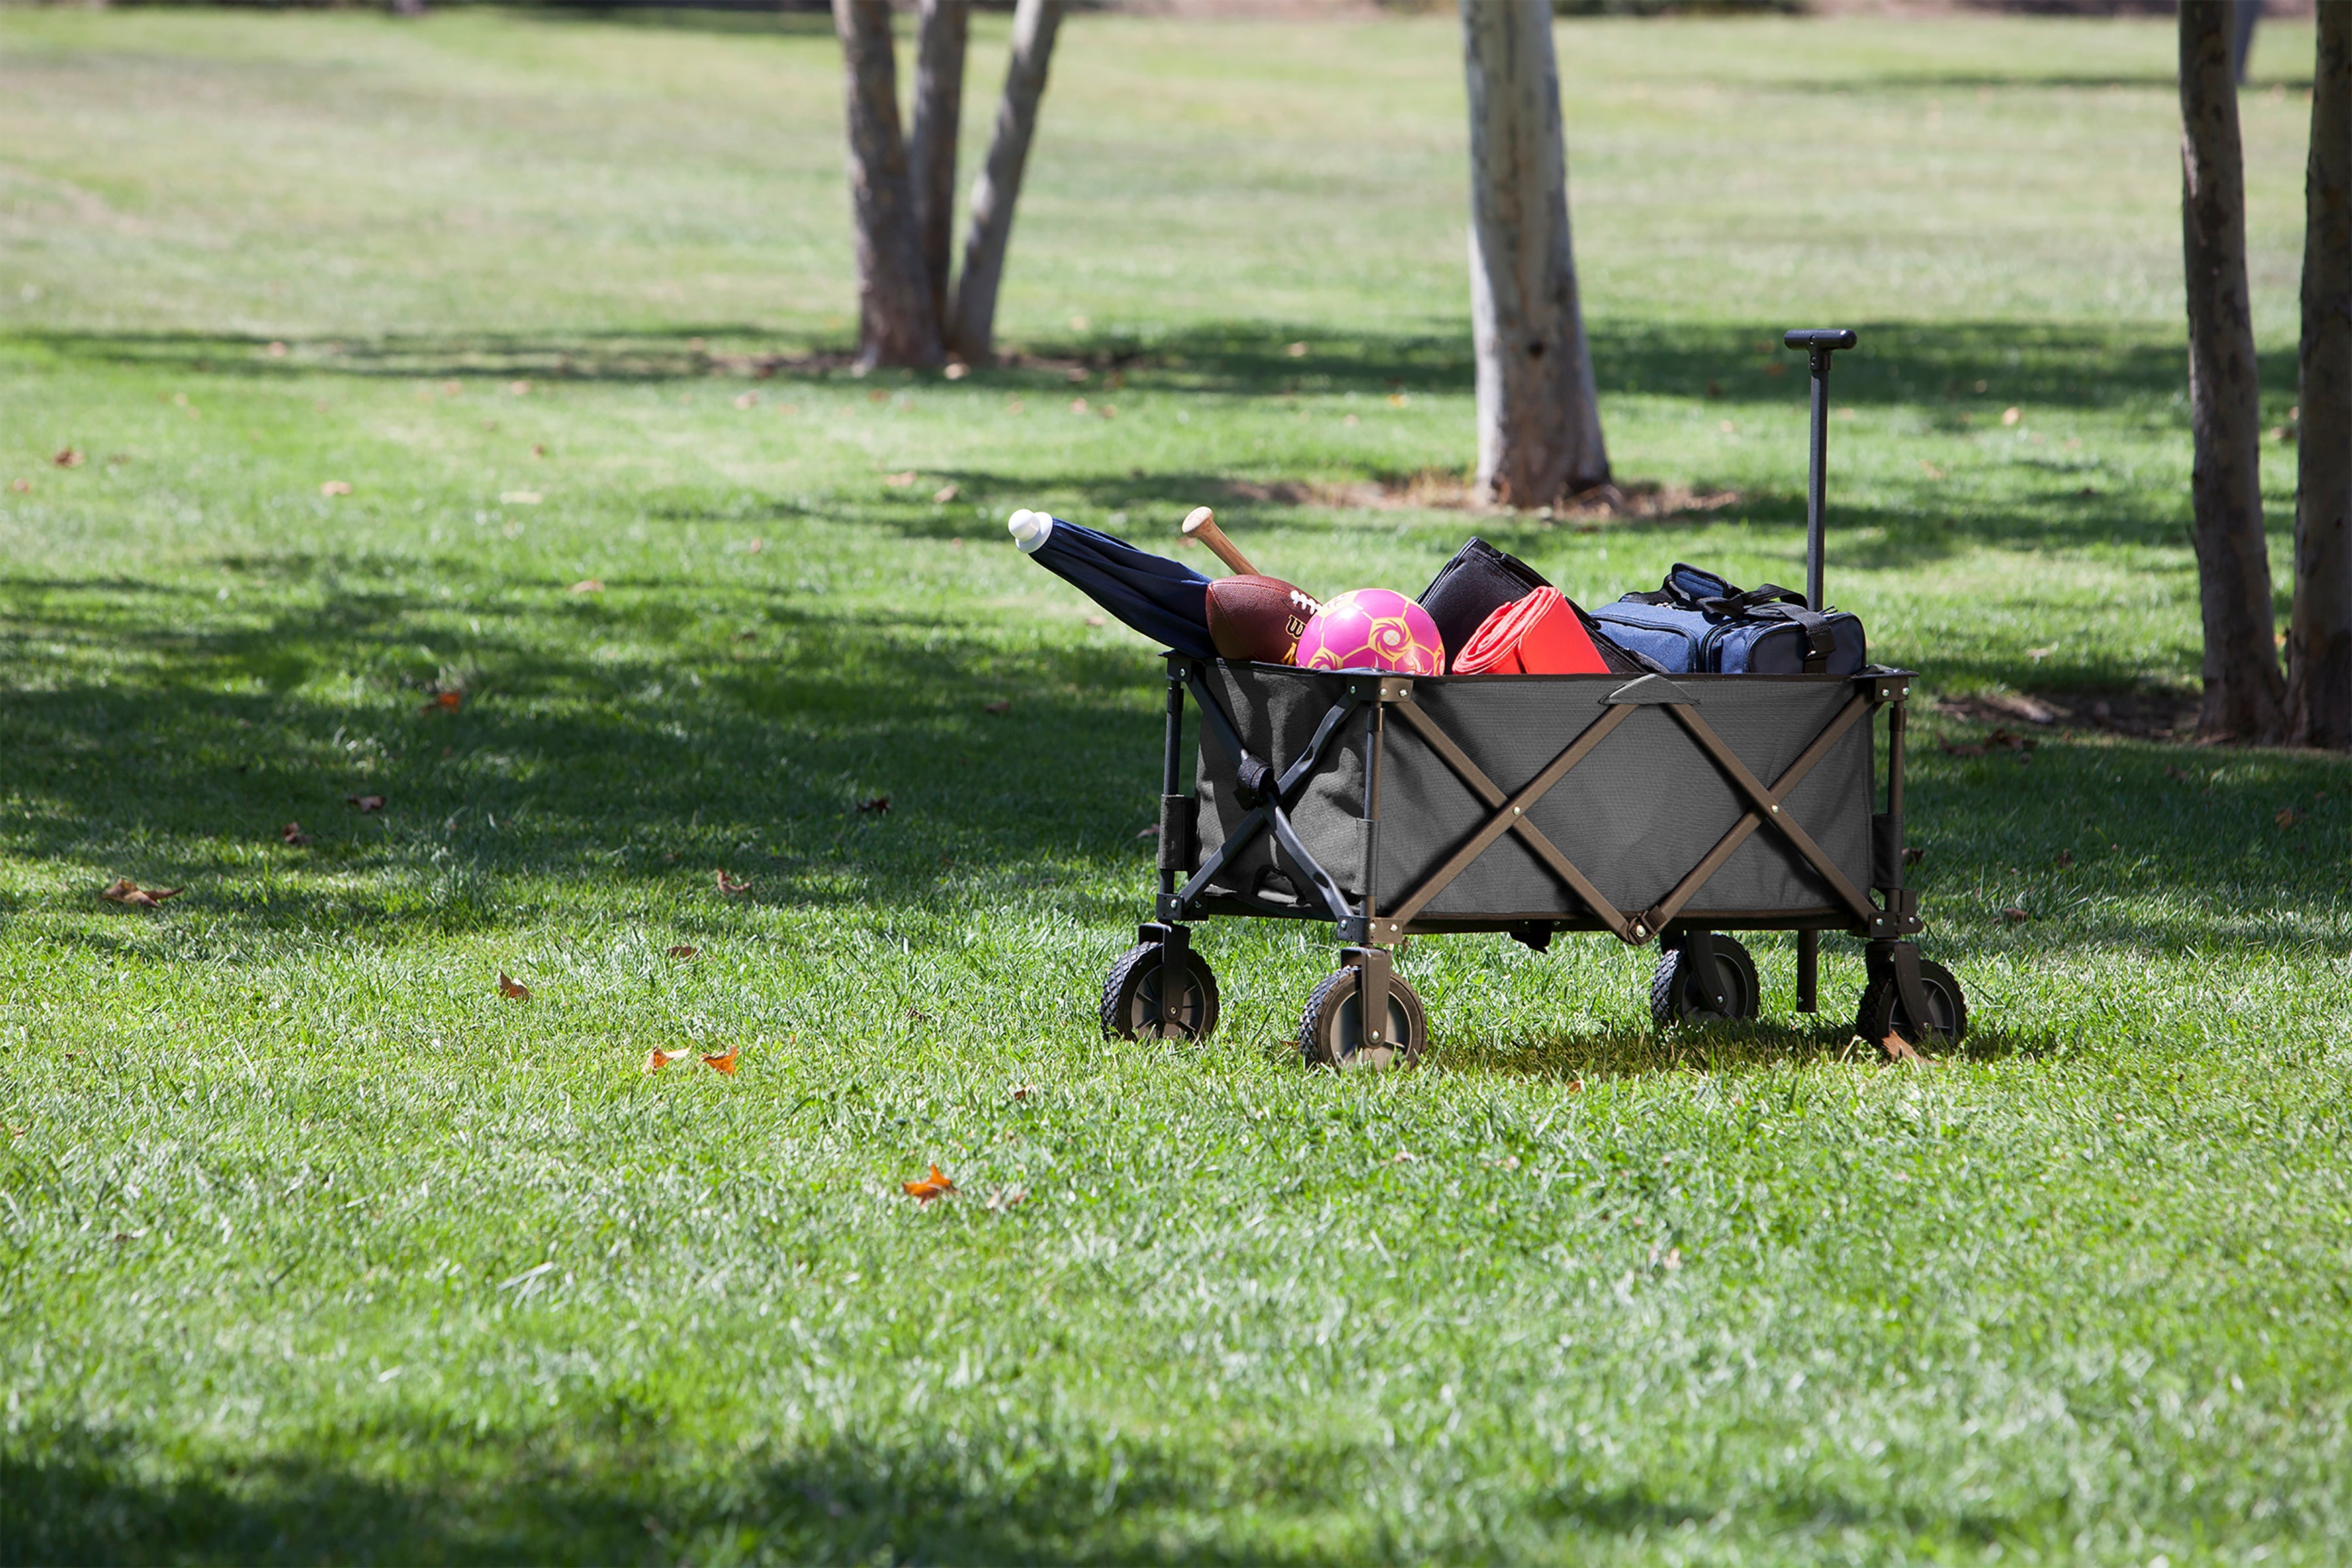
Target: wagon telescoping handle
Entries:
(1819, 343)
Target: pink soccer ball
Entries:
(1372, 628)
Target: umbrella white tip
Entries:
(1029, 529)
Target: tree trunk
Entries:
(2242, 36)
(2245, 694)
(2319, 632)
(896, 323)
(1539, 419)
(973, 330)
(931, 160)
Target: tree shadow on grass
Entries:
(1934, 365)
(835, 760)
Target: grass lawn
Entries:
(315, 1247)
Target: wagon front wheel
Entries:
(1331, 1031)
(1675, 996)
(1133, 1009)
(1882, 1012)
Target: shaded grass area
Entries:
(315, 1247)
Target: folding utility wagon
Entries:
(1666, 808)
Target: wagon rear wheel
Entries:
(1675, 996)
(1132, 1008)
(1331, 1031)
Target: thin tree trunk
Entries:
(2319, 631)
(896, 323)
(1539, 418)
(931, 158)
(2244, 693)
(973, 330)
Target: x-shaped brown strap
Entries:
(1509, 815)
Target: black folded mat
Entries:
(1480, 579)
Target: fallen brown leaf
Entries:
(277, 351)
(924, 1189)
(123, 890)
(900, 481)
(444, 701)
(1295, 351)
(2014, 916)
(658, 1058)
(335, 487)
(518, 389)
(725, 1064)
(22, 487)
(945, 493)
(71, 457)
(1078, 405)
(1404, 1157)
(957, 370)
(756, 546)
(1899, 1049)
(1913, 855)
(366, 803)
(683, 950)
(747, 400)
(730, 886)
(1021, 1091)
(588, 586)
(1005, 1198)
(1930, 469)
(1001, 705)
(2012, 415)
(876, 805)
(2065, 859)
(509, 987)
(292, 833)
(1964, 749)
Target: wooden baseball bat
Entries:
(1203, 525)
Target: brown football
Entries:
(1257, 618)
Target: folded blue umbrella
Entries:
(1165, 600)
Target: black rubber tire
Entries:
(1881, 1013)
(1330, 1032)
(1674, 996)
(1130, 997)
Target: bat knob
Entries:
(1197, 519)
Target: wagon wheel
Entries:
(1331, 1031)
(1131, 1008)
(1882, 1013)
(1675, 997)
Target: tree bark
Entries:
(2244, 693)
(973, 322)
(1538, 417)
(897, 322)
(931, 157)
(2319, 631)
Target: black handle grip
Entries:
(1820, 338)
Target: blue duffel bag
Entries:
(1698, 624)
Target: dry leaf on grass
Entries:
(509, 986)
(725, 1064)
(588, 586)
(925, 1189)
(1001, 705)
(2065, 859)
(335, 487)
(1964, 749)
(22, 487)
(658, 1058)
(2014, 916)
(1404, 1157)
(292, 833)
(956, 371)
(1021, 1091)
(2287, 816)
(1913, 855)
(747, 400)
(1899, 1049)
(875, 806)
(683, 950)
(731, 887)
(123, 890)
(900, 481)
(71, 457)
(944, 494)
(444, 701)
(2012, 415)
(366, 803)
(1005, 1198)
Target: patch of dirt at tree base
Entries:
(1445, 489)
(2145, 714)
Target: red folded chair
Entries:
(1541, 635)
